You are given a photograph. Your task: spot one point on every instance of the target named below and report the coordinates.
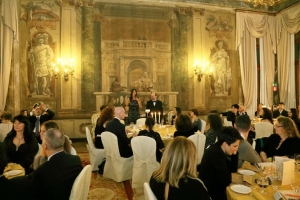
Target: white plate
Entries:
(13, 172)
(246, 172)
(265, 164)
(242, 189)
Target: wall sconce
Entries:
(63, 68)
(202, 69)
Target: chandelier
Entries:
(63, 68)
(202, 69)
(263, 2)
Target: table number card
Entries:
(287, 168)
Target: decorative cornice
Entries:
(77, 3)
(190, 11)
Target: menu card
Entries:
(286, 167)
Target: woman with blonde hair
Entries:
(285, 141)
(176, 177)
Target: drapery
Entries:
(287, 24)
(249, 27)
(9, 33)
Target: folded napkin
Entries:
(13, 166)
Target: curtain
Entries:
(9, 32)
(287, 24)
(249, 27)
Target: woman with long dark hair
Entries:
(150, 133)
(292, 113)
(106, 115)
(20, 144)
(133, 104)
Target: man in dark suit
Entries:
(155, 106)
(281, 111)
(54, 179)
(242, 110)
(37, 118)
(231, 115)
(116, 127)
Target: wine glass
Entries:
(297, 162)
(263, 182)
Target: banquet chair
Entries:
(116, 167)
(262, 130)
(96, 155)
(81, 185)
(73, 151)
(199, 141)
(227, 123)
(203, 124)
(148, 192)
(144, 156)
(140, 121)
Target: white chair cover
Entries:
(148, 192)
(203, 124)
(73, 151)
(199, 141)
(263, 129)
(96, 155)
(227, 123)
(140, 121)
(144, 154)
(81, 185)
(94, 122)
(116, 167)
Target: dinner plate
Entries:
(246, 172)
(13, 172)
(242, 189)
(265, 164)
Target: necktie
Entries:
(37, 127)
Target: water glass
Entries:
(297, 162)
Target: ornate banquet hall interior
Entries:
(76, 55)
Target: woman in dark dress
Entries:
(133, 104)
(106, 115)
(176, 112)
(184, 126)
(20, 144)
(285, 141)
(292, 113)
(176, 177)
(150, 133)
(214, 127)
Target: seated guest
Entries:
(116, 127)
(214, 128)
(260, 111)
(231, 115)
(184, 126)
(292, 113)
(6, 125)
(150, 133)
(218, 163)
(20, 144)
(24, 112)
(246, 152)
(267, 116)
(54, 179)
(242, 110)
(280, 111)
(176, 177)
(106, 115)
(41, 157)
(11, 189)
(176, 112)
(298, 111)
(285, 141)
(195, 120)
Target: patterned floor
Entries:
(103, 188)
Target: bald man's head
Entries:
(120, 112)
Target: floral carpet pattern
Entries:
(107, 189)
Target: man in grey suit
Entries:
(116, 127)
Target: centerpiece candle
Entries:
(155, 117)
(159, 117)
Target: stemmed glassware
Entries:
(263, 180)
(297, 162)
